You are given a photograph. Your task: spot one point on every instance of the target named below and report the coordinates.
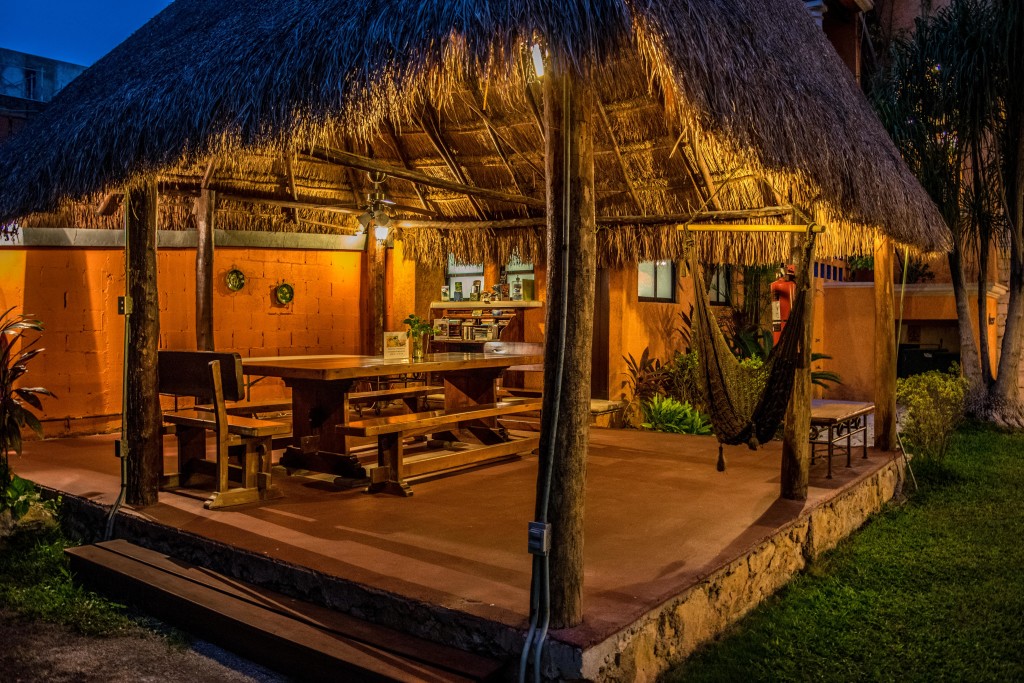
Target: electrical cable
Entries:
(123, 453)
(899, 338)
(540, 588)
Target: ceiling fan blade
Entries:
(412, 209)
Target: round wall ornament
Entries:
(284, 293)
(235, 279)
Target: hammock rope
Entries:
(746, 405)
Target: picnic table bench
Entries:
(212, 379)
(395, 469)
(835, 421)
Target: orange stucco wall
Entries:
(849, 330)
(635, 325)
(74, 292)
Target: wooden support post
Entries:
(205, 212)
(372, 299)
(885, 347)
(143, 414)
(796, 446)
(570, 197)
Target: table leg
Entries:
(318, 408)
(468, 388)
(831, 447)
(849, 444)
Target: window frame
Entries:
(670, 298)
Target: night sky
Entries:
(76, 31)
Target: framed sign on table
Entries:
(396, 344)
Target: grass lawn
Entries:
(35, 582)
(931, 590)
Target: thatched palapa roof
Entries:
(744, 100)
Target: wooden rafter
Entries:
(429, 123)
(343, 158)
(497, 142)
(494, 131)
(618, 155)
(404, 158)
(535, 110)
(705, 173)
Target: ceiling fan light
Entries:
(381, 232)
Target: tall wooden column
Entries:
(885, 347)
(204, 209)
(372, 300)
(143, 409)
(796, 433)
(569, 171)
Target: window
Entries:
(31, 84)
(463, 274)
(720, 291)
(656, 281)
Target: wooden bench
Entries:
(394, 469)
(516, 375)
(214, 378)
(835, 421)
(410, 396)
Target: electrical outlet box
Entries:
(539, 538)
(124, 305)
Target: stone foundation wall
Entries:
(671, 632)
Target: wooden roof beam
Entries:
(404, 158)
(343, 158)
(493, 129)
(429, 122)
(666, 219)
(618, 154)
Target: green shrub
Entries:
(681, 381)
(933, 404)
(665, 414)
(645, 378)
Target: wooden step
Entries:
(299, 639)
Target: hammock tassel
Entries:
(721, 459)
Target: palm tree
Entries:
(951, 98)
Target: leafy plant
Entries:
(15, 353)
(645, 378)
(18, 496)
(823, 377)
(418, 325)
(933, 405)
(682, 381)
(857, 264)
(685, 329)
(665, 414)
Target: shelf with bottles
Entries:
(470, 324)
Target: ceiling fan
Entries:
(376, 210)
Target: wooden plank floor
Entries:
(296, 638)
(658, 518)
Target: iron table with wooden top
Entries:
(321, 385)
(836, 421)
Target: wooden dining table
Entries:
(321, 385)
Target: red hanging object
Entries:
(783, 293)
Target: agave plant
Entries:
(15, 353)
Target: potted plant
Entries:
(419, 329)
(15, 353)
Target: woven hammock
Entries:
(747, 405)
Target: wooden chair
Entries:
(214, 378)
